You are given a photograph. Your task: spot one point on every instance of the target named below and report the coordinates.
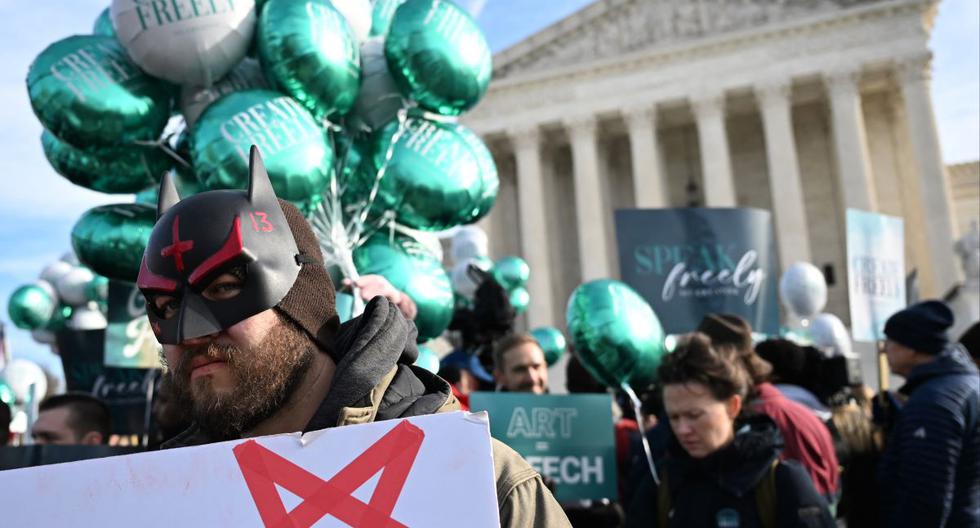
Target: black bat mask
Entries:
(200, 238)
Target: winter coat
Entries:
(806, 439)
(724, 483)
(375, 380)
(930, 471)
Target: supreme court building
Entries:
(801, 107)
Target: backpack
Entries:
(765, 498)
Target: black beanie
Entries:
(310, 304)
(788, 360)
(921, 327)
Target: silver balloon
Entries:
(378, 100)
(193, 43)
(828, 333)
(358, 14)
(70, 258)
(469, 242)
(73, 286)
(195, 99)
(88, 317)
(54, 271)
(21, 375)
(44, 337)
(49, 288)
(803, 289)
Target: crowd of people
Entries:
(741, 433)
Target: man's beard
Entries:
(264, 379)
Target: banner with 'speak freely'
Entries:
(688, 262)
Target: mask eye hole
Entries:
(226, 286)
(164, 306)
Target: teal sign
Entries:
(568, 439)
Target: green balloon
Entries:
(98, 289)
(615, 333)
(30, 307)
(59, 320)
(440, 175)
(295, 150)
(6, 393)
(307, 48)
(110, 239)
(85, 90)
(520, 298)
(384, 11)
(103, 25)
(124, 169)
(413, 269)
(438, 56)
(551, 341)
(428, 360)
(511, 272)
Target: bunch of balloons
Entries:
(512, 273)
(65, 295)
(803, 290)
(353, 104)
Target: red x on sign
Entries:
(394, 454)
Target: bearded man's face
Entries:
(233, 380)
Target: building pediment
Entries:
(610, 28)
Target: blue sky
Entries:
(38, 207)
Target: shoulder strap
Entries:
(663, 501)
(765, 496)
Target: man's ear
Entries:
(92, 438)
(733, 406)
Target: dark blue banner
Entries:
(689, 262)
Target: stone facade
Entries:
(801, 107)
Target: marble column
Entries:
(850, 141)
(526, 141)
(716, 164)
(649, 182)
(933, 185)
(788, 206)
(593, 247)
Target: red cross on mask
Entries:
(178, 247)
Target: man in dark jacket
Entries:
(238, 295)
(930, 472)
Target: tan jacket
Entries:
(522, 498)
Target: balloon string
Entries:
(637, 409)
(402, 128)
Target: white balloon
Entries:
(70, 258)
(184, 42)
(359, 15)
(71, 287)
(803, 289)
(829, 333)
(469, 242)
(44, 337)
(20, 374)
(195, 99)
(378, 100)
(54, 271)
(48, 288)
(88, 318)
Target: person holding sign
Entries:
(238, 295)
(721, 469)
(930, 470)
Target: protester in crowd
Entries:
(72, 419)
(721, 469)
(858, 445)
(806, 439)
(519, 365)
(169, 418)
(971, 342)
(250, 331)
(930, 471)
(790, 374)
(5, 417)
(465, 374)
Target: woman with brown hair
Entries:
(721, 469)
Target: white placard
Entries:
(427, 471)
(875, 271)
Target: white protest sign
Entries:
(875, 271)
(427, 471)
